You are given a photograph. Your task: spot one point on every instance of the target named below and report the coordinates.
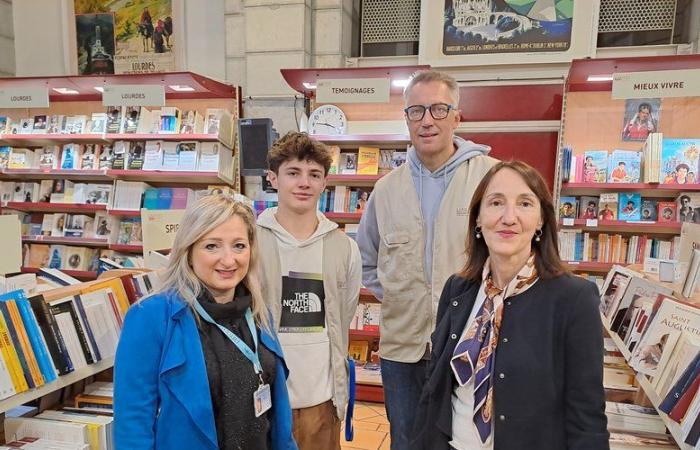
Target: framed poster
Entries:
(125, 37)
(486, 32)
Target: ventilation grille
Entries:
(390, 21)
(636, 15)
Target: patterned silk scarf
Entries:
(475, 353)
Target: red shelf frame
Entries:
(68, 240)
(127, 248)
(343, 217)
(364, 333)
(358, 139)
(369, 393)
(77, 174)
(37, 140)
(124, 213)
(79, 274)
(178, 176)
(622, 225)
(55, 207)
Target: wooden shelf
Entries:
(79, 274)
(55, 207)
(66, 240)
(162, 137)
(343, 217)
(645, 189)
(165, 176)
(349, 140)
(40, 140)
(352, 180)
(369, 393)
(626, 226)
(43, 174)
(124, 212)
(59, 383)
(673, 427)
(126, 248)
(364, 333)
(591, 266)
(367, 296)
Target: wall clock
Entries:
(327, 119)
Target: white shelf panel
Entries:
(59, 383)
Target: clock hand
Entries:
(327, 124)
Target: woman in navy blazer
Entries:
(516, 325)
(163, 396)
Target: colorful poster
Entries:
(124, 36)
(477, 27)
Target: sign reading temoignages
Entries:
(353, 90)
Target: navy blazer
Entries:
(548, 394)
(161, 390)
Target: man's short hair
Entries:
(429, 76)
(298, 147)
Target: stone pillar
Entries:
(7, 40)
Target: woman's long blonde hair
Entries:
(200, 218)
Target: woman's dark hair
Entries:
(547, 260)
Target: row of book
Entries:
(366, 161)
(122, 155)
(344, 199)
(661, 341)
(71, 257)
(88, 424)
(662, 160)
(618, 206)
(122, 119)
(56, 191)
(580, 246)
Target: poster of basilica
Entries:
(506, 31)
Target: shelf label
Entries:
(353, 90)
(659, 83)
(591, 222)
(134, 95)
(568, 222)
(159, 228)
(32, 97)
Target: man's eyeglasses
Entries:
(438, 110)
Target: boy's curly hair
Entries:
(298, 146)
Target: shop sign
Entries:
(358, 90)
(134, 95)
(656, 84)
(32, 97)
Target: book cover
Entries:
(36, 339)
(131, 119)
(89, 158)
(17, 344)
(52, 335)
(358, 350)
(74, 225)
(187, 156)
(595, 166)
(368, 161)
(119, 155)
(67, 318)
(57, 124)
(335, 162)
(649, 210)
(5, 153)
(98, 123)
(106, 157)
(48, 157)
(153, 158)
(102, 225)
(614, 287)
(567, 207)
(624, 166)
(629, 206)
(588, 207)
(40, 125)
(679, 161)
(607, 206)
(348, 163)
(213, 120)
(397, 159)
(98, 194)
(114, 119)
(385, 156)
(136, 155)
(70, 157)
(56, 256)
(11, 356)
(26, 126)
(666, 212)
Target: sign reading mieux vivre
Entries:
(31, 97)
(654, 84)
(353, 90)
(134, 95)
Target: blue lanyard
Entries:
(242, 346)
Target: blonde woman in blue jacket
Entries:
(198, 366)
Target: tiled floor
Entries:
(371, 428)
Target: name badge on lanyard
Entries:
(262, 397)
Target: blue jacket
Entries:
(161, 390)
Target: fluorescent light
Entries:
(66, 91)
(599, 78)
(99, 88)
(400, 83)
(309, 85)
(181, 88)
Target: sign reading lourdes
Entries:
(134, 95)
(655, 84)
(358, 90)
(32, 97)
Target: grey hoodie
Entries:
(431, 187)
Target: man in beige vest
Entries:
(311, 282)
(412, 236)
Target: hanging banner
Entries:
(124, 36)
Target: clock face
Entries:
(327, 119)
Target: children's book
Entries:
(649, 210)
(679, 161)
(624, 166)
(567, 207)
(666, 212)
(607, 206)
(588, 207)
(630, 205)
(595, 166)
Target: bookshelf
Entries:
(59, 383)
(77, 208)
(86, 242)
(623, 225)
(84, 275)
(672, 426)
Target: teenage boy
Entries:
(412, 236)
(312, 274)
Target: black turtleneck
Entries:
(232, 378)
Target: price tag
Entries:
(591, 222)
(568, 222)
